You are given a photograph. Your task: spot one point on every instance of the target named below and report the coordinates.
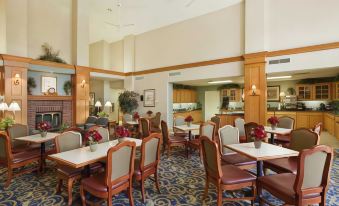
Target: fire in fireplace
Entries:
(54, 118)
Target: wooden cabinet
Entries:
(281, 114)
(184, 96)
(308, 119)
(234, 95)
(329, 123)
(196, 114)
(322, 91)
(335, 91)
(337, 127)
(228, 119)
(304, 91)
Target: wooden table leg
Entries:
(272, 138)
(42, 154)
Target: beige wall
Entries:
(117, 56)
(3, 27)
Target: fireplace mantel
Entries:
(49, 98)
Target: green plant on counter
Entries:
(68, 87)
(6, 122)
(30, 84)
(64, 126)
(102, 114)
(50, 55)
(128, 101)
(229, 86)
(291, 91)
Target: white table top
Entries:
(281, 131)
(185, 128)
(267, 151)
(83, 156)
(132, 122)
(37, 138)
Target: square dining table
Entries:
(189, 129)
(277, 130)
(38, 139)
(265, 152)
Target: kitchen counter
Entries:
(178, 112)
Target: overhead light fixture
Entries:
(220, 82)
(279, 77)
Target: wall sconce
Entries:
(17, 79)
(83, 82)
(254, 89)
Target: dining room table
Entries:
(38, 139)
(276, 131)
(83, 157)
(191, 128)
(265, 152)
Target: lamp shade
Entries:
(3, 106)
(282, 94)
(14, 106)
(98, 104)
(108, 104)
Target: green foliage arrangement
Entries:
(50, 55)
(30, 84)
(128, 101)
(64, 126)
(102, 114)
(291, 91)
(68, 87)
(6, 122)
(229, 86)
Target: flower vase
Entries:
(189, 124)
(257, 144)
(93, 146)
(43, 133)
(273, 126)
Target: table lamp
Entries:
(14, 106)
(3, 107)
(98, 104)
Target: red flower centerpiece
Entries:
(122, 132)
(93, 137)
(136, 116)
(43, 127)
(273, 121)
(189, 120)
(258, 134)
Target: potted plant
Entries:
(189, 120)
(30, 84)
(68, 87)
(43, 127)
(128, 102)
(258, 134)
(122, 132)
(149, 113)
(136, 116)
(6, 122)
(93, 137)
(102, 114)
(50, 54)
(273, 121)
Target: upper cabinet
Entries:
(184, 96)
(304, 91)
(335, 91)
(322, 91)
(234, 95)
(319, 91)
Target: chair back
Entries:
(103, 132)
(314, 166)
(164, 132)
(102, 122)
(120, 163)
(211, 158)
(68, 141)
(150, 151)
(91, 120)
(207, 129)
(227, 135)
(216, 120)
(286, 122)
(15, 131)
(248, 129)
(155, 121)
(303, 138)
(240, 124)
(144, 126)
(5, 149)
(179, 120)
(318, 128)
(127, 118)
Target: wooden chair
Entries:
(216, 120)
(287, 123)
(148, 163)
(308, 186)
(20, 130)
(144, 126)
(230, 135)
(227, 177)
(65, 142)
(248, 129)
(155, 123)
(177, 121)
(318, 128)
(118, 175)
(16, 160)
(171, 141)
(103, 132)
(301, 139)
(240, 124)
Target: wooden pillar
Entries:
(255, 74)
(81, 97)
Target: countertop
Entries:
(176, 112)
(326, 111)
(232, 113)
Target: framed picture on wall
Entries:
(149, 98)
(273, 93)
(48, 83)
(91, 98)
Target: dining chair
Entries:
(230, 135)
(240, 124)
(16, 160)
(144, 126)
(65, 142)
(318, 128)
(90, 122)
(248, 129)
(19, 130)
(103, 132)
(286, 123)
(310, 183)
(118, 176)
(148, 163)
(155, 123)
(226, 177)
(171, 141)
(178, 121)
(301, 139)
(216, 120)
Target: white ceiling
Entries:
(146, 15)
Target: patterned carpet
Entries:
(182, 183)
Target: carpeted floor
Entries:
(182, 183)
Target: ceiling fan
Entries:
(119, 5)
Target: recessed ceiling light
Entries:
(280, 77)
(220, 82)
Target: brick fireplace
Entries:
(38, 108)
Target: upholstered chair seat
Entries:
(234, 175)
(97, 183)
(238, 160)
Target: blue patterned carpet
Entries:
(182, 183)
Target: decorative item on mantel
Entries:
(189, 120)
(68, 87)
(93, 137)
(121, 133)
(273, 121)
(50, 55)
(43, 127)
(258, 134)
(30, 84)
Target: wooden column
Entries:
(81, 97)
(255, 74)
